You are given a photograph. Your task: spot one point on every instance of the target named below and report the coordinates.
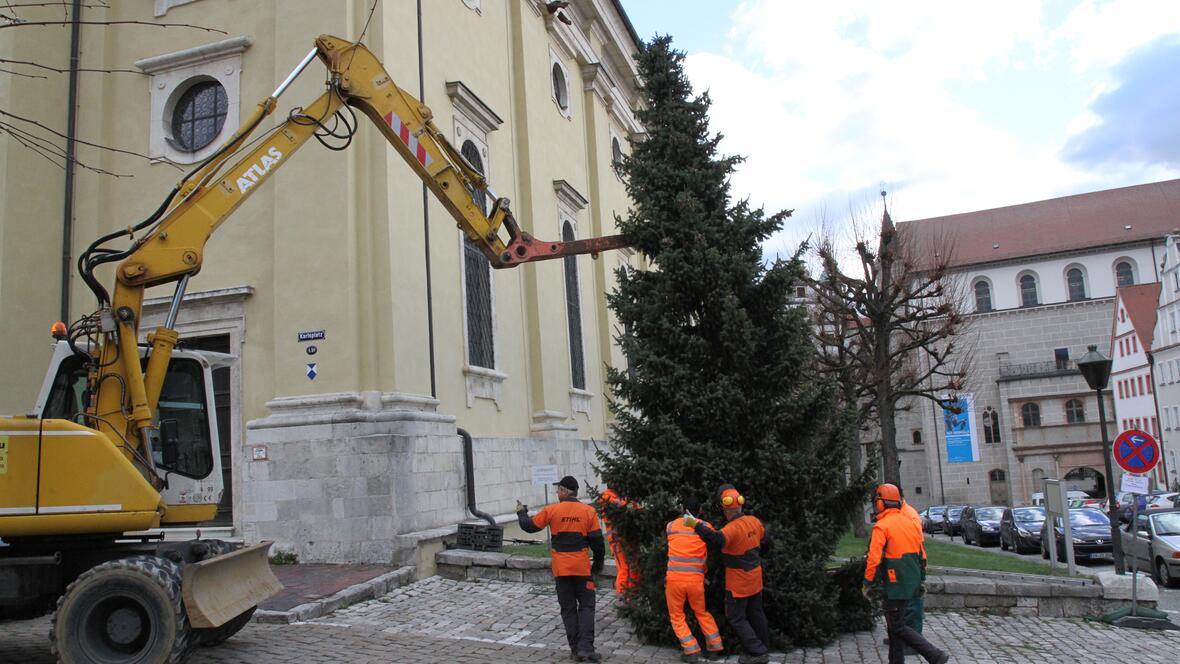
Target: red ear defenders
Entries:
(731, 497)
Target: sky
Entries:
(948, 106)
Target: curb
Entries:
(360, 592)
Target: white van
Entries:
(1038, 498)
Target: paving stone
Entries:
(470, 622)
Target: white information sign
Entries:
(544, 474)
(1132, 483)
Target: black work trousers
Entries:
(902, 635)
(575, 596)
(748, 620)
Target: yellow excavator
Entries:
(123, 437)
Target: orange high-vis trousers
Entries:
(677, 593)
(626, 577)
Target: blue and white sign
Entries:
(962, 443)
(312, 335)
(311, 371)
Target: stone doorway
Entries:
(997, 481)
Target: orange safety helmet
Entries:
(888, 496)
(730, 497)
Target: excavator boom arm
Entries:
(173, 249)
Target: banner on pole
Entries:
(962, 441)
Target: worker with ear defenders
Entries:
(741, 541)
(897, 557)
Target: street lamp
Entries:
(1095, 368)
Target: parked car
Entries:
(933, 523)
(1020, 529)
(1145, 503)
(1090, 530)
(950, 519)
(1155, 543)
(981, 525)
(1162, 501)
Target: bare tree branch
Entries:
(37, 65)
(15, 22)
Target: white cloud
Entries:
(824, 99)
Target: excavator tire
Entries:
(127, 611)
(216, 635)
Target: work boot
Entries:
(715, 656)
(573, 655)
(764, 658)
(589, 657)
(694, 657)
(942, 658)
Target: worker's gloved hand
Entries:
(922, 590)
(866, 589)
(520, 507)
(596, 567)
(691, 521)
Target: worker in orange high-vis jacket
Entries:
(627, 576)
(897, 559)
(684, 581)
(741, 541)
(573, 528)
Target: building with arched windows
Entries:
(352, 452)
(1039, 283)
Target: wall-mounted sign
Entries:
(312, 350)
(311, 335)
(311, 371)
(258, 453)
(544, 474)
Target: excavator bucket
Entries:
(219, 589)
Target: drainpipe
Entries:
(426, 230)
(67, 238)
(469, 471)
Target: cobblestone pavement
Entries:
(437, 620)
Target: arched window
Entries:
(1075, 283)
(477, 280)
(991, 425)
(616, 155)
(1030, 413)
(1038, 476)
(1028, 291)
(1124, 273)
(573, 312)
(1075, 411)
(983, 296)
(996, 475)
(917, 436)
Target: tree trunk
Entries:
(855, 465)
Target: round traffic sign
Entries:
(1136, 451)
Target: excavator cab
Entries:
(185, 440)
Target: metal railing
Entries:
(1051, 367)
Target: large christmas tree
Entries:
(722, 384)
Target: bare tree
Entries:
(59, 146)
(887, 332)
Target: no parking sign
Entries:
(1136, 451)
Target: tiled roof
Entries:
(1141, 301)
(1114, 216)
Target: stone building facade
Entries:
(339, 460)
(1165, 359)
(1039, 283)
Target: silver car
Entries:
(1155, 544)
